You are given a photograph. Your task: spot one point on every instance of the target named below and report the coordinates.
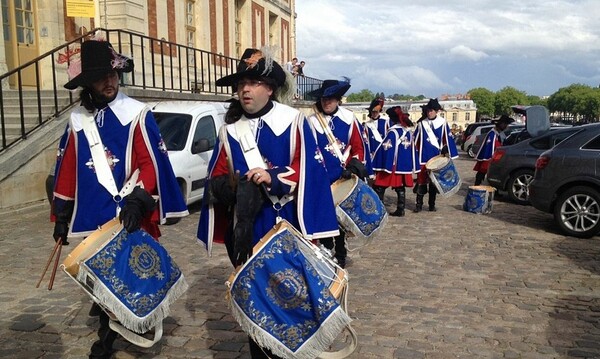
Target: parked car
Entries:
(567, 182)
(467, 133)
(189, 130)
(512, 167)
(480, 138)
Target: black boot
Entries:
(380, 191)
(432, 195)
(419, 203)
(103, 347)
(401, 192)
(479, 178)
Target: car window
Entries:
(174, 129)
(551, 140)
(206, 129)
(593, 144)
(485, 130)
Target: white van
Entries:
(190, 130)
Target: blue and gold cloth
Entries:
(281, 301)
(136, 279)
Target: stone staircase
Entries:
(35, 110)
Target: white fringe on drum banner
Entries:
(318, 342)
(349, 226)
(127, 318)
(449, 193)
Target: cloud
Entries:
(464, 52)
(451, 46)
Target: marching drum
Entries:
(444, 175)
(479, 199)
(358, 208)
(290, 297)
(130, 275)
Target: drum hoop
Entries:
(434, 160)
(87, 246)
(340, 185)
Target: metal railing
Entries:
(158, 65)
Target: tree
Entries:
(362, 96)
(484, 99)
(506, 98)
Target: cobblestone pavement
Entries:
(445, 284)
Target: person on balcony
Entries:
(90, 186)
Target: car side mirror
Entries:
(201, 145)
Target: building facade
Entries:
(225, 27)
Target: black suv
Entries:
(567, 182)
(512, 167)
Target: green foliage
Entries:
(577, 99)
(362, 96)
(484, 99)
(506, 98)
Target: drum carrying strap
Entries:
(101, 166)
(254, 158)
(432, 139)
(136, 338)
(332, 139)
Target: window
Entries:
(190, 31)
(205, 129)
(467, 117)
(454, 117)
(593, 144)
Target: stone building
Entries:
(226, 27)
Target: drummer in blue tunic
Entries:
(377, 125)
(432, 137)
(493, 140)
(265, 167)
(394, 161)
(339, 137)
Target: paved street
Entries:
(445, 284)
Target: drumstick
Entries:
(58, 243)
(55, 265)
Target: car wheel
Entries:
(518, 186)
(470, 151)
(577, 212)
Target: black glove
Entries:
(445, 150)
(249, 202)
(63, 211)
(138, 204)
(354, 167)
(220, 190)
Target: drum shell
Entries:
(359, 210)
(479, 199)
(444, 175)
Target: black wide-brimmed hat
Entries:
(376, 105)
(398, 116)
(503, 119)
(433, 104)
(97, 58)
(255, 63)
(330, 88)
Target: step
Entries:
(32, 108)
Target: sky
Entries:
(438, 47)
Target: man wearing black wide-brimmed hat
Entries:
(432, 137)
(111, 160)
(265, 168)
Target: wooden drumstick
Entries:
(56, 246)
(55, 265)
